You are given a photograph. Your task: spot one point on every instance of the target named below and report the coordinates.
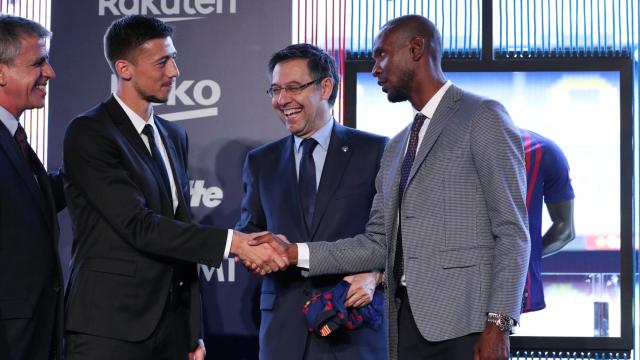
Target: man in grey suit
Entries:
(449, 221)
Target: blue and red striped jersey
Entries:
(548, 180)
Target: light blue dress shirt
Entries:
(322, 136)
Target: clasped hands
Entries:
(263, 252)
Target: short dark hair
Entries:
(319, 63)
(12, 30)
(417, 25)
(125, 35)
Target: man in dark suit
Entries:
(449, 219)
(30, 274)
(133, 291)
(343, 163)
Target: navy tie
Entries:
(407, 163)
(21, 138)
(307, 181)
(157, 158)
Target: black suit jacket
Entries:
(128, 244)
(30, 273)
(343, 201)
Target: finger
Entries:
(348, 303)
(258, 234)
(279, 262)
(351, 299)
(286, 260)
(348, 300)
(283, 238)
(263, 238)
(476, 352)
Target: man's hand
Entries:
(261, 258)
(493, 344)
(278, 243)
(197, 354)
(362, 288)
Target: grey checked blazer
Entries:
(464, 222)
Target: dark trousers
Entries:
(412, 346)
(169, 341)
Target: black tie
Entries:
(23, 144)
(157, 158)
(307, 180)
(407, 163)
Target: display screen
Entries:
(580, 112)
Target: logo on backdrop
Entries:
(202, 93)
(210, 197)
(167, 10)
(222, 274)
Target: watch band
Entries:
(503, 322)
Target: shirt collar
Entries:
(8, 120)
(136, 120)
(430, 108)
(322, 136)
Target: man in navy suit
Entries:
(317, 183)
(30, 276)
(133, 291)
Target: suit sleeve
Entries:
(499, 160)
(252, 218)
(93, 164)
(57, 188)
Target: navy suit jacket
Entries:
(343, 202)
(30, 273)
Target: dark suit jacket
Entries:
(342, 209)
(30, 273)
(128, 245)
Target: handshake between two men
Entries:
(263, 252)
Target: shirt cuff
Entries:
(227, 246)
(303, 255)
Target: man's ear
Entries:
(326, 86)
(124, 69)
(3, 71)
(417, 47)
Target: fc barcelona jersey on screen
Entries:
(547, 180)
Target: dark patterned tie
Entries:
(407, 163)
(307, 180)
(157, 158)
(23, 144)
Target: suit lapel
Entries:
(334, 165)
(289, 180)
(178, 168)
(122, 121)
(392, 191)
(445, 110)
(45, 188)
(8, 144)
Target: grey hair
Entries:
(12, 30)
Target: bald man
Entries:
(449, 220)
